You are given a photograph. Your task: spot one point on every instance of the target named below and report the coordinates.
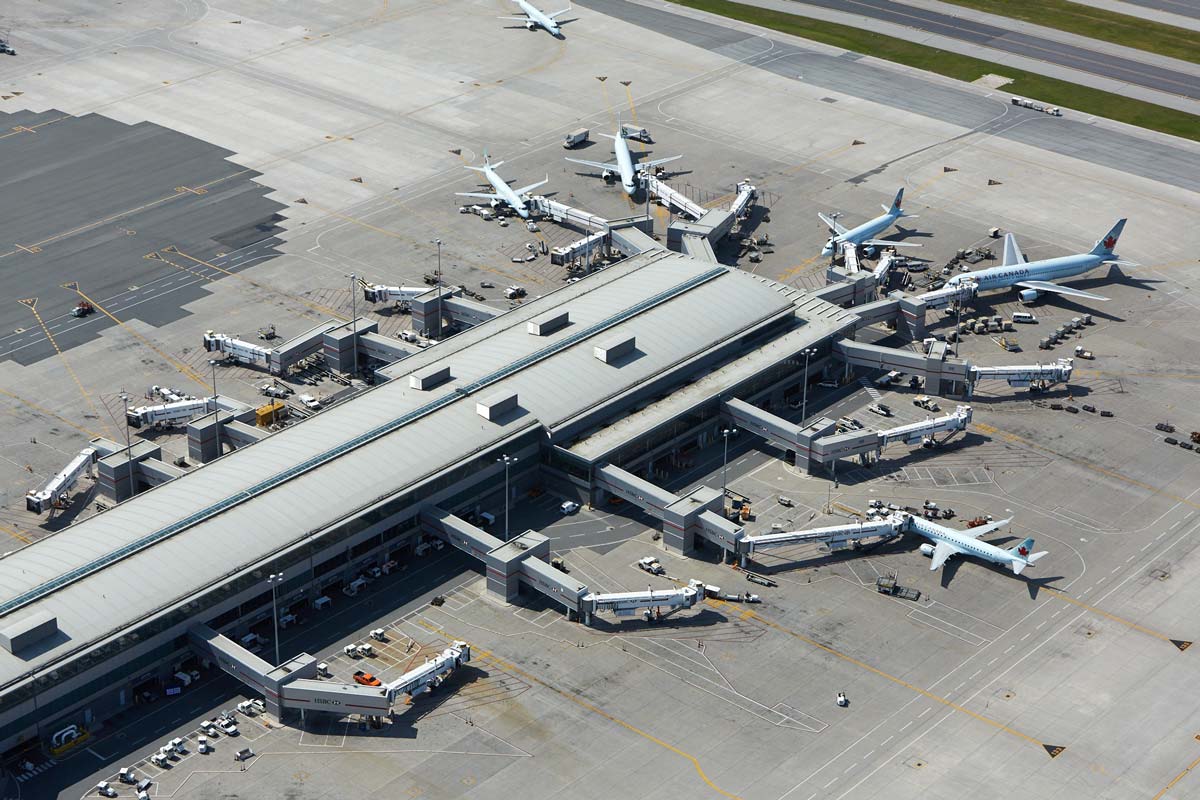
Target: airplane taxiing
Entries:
(536, 18)
(948, 542)
(624, 165)
(516, 199)
(864, 235)
(1034, 277)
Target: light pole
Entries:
(438, 242)
(808, 352)
(128, 444)
(726, 432)
(354, 319)
(508, 461)
(275, 579)
(216, 409)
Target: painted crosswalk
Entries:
(870, 389)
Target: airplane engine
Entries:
(531, 25)
(495, 203)
(927, 550)
(607, 175)
(1028, 295)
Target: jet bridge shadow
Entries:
(706, 618)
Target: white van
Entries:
(322, 602)
(1023, 316)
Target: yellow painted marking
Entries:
(36, 246)
(31, 304)
(1113, 617)
(48, 412)
(579, 701)
(179, 365)
(791, 273)
(314, 306)
(886, 676)
(1177, 779)
(15, 535)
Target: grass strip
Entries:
(1044, 89)
(1097, 23)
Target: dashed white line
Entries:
(906, 725)
(1026, 636)
(1055, 614)
(868, 755)
(1147, 546)
(1177, 524)
(826, 786)
(1156, 538)
(956, 688)
(993, 661)
(923, 713)
(976, 673)
(847, 769)
(1114, 570)
(1042, 623)
(1010, 647)
(885, 741)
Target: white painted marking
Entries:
(885, 741)
(976, 673)
(831, 783)
(868, 755)
(1026, 636)
(906, 726)
(1010, 647)
(923, 713)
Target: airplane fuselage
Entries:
(969, 545)
(862, 233)
(505, 192)
(536, 16)
(624, 164)
(1049, 269)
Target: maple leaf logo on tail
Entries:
(1110, 242)
(1023, 551)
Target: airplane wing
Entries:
(888, 243)
(1120, 262)
(983, 530)
(656, 162)
(941, 552)
(1047, 286)
(557, 14)
(832, 223)
(1012, 252)
(515, 19)
(480, 195)
(531, 187)
(594, 164)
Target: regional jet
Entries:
(516, 199)
(864, 235)
(624, 165)
(535, 18)
(1034, 277)
(949, 542)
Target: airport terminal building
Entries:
(629, 368)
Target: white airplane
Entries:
(949, 542)
(1035, 277)
(863, 235)
(624, 166)
(516, 199)
(536, 18)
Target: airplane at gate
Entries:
(624, 166)
(949, 542)
(1034, 277)
(864, 235)
(516, 199)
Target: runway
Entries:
(1021, 44)
(849, 74)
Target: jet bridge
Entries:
(831, 448)
(242, 352)
(430, 675)
(833, 535)
(627, 604)
(41, 500)
(378, 293)
(1022, 376)
(674, 200)
(948, 295)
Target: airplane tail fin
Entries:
(1023, 556)
(1105, 246)
(895, 207)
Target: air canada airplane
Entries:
(949, 542)
(864, 235)
(1035, 277)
